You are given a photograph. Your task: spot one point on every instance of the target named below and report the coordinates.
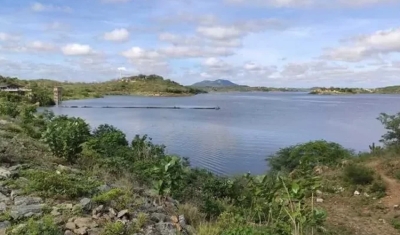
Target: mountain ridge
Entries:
(215, 83)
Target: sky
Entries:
(274, 43)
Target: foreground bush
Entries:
(309, 155)
(65, 136)
(45, 226)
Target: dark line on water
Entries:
(136, 107)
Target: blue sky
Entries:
(281, 43)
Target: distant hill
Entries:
(216, 83)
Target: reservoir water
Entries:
(249, 126)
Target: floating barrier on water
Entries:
(136, 107)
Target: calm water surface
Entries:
(248, 127)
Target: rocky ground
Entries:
(84, 216)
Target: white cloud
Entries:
(117, 35)
(76, 49)
(39, 7)
(220, 32)
(8, 37)
(41, 46)
(367, 46)
(57, 26)
(137, 53)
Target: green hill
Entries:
(146, 85)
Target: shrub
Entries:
(116, 198)
(50, 183)
(192, 214)
(392, 125)
(378, 187)
(65, 135)
(309, 155)
(45, 226)
(106, 139)
(9, 109)
(114, 228)
(358, 174)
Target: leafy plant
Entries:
(392, 125)
(169, 174)
(114, 228)
(65, 135)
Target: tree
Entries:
(65, 135)
(392, 125)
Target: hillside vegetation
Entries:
(146, 85)
(59, 176)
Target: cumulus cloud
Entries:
(366, 46)
(39, 7)
(117, 35)
(147, 61)
(76, 49)
(30, 47)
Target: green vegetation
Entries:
(338, 91)
(248, 89)
(146, 85)
(282, 201)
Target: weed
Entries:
(50, 183)
(45, 226)
(116, 228)
(192, 214)
(358, 174)
(116, 198)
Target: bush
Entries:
(106, 139)
(358, 174)
(65, 135)
(46, 226)
(378, 187)
(114, 228)
(50, 183)
(392, 125)
(309, 155)
(115, 198)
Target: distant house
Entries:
(13, 88)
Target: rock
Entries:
(166, 229)
(15, 168)
(21, 200)
(4, 173)
(122, 213)
(68, 232)
(104, 188)
(382, 221)
(318, 192)
(55, 212)
(21, 211)
(4, 198)
(158, 217)
(67, 206)
(396, 207)
(366, 194)
(174, 219)
(81, 231)
(70, 226)
(5, 224)
(3, 231)
(94, 231)
(182, 220)
(112, 212)
(320, 200)
(15, 193)
(98, 209)
(3, 207)
(356, 193)
(86, 204)
(85, 222)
